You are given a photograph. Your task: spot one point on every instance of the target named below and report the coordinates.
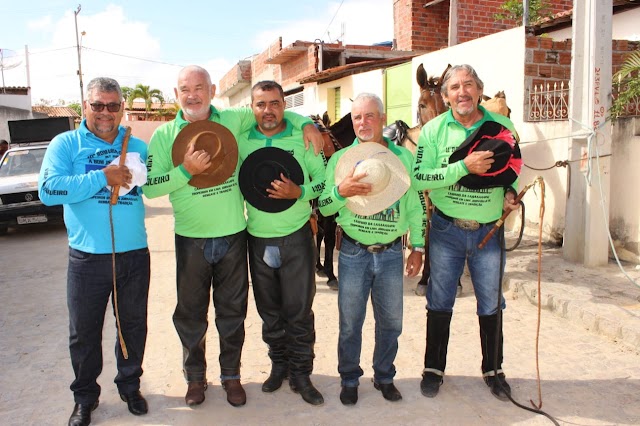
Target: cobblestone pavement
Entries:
(588, 358)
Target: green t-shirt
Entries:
(439, 138)
(408, 213)
(268, 225)
(200, 213)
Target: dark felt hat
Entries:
(218, 141)
(262, 167)
(491, 136)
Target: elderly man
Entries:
(371, 255)
(462, 218)
(73, 174)
(210, 236)
(281, 247)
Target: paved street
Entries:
(587, 376)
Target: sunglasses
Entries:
(112, 107)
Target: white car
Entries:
(19, 201)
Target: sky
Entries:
(148, 42)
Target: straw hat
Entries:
(387, 175)
(218, 141)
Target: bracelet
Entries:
(419, 249)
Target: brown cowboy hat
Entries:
(218, 141)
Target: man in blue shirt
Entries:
(75, 173)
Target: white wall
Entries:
(350, 87)
(16, 101)
(498, 60)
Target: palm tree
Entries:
(627, 84)
(126, 94)
(148, 95)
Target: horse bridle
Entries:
(432, 91)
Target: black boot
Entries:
(491, 343)
(435, 358)
(305, 388)
(277, 376)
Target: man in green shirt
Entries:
(461, 219)
(210, 235)
(371, 255)
(281, 247)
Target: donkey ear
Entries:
(421, 77)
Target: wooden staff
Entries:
(123, 157)
(500, 221)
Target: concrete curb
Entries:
(618, 323)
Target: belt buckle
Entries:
(376, 248)
(467, 225)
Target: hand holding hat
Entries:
(261, 174)
(196, 162)
(377, 166)
(204, 138)
(492, 156)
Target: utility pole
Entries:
(587, 212)
(79, 63)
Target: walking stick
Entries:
(113, 201)
(500, 221)
(123, 157)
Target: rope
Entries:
(542, 191)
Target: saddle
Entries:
(396, 131)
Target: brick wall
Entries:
(420, 29)
(427, 29)
(259, 66)
(549, 62)
(299, 67)
(240, 72)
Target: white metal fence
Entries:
(551, 103)
(548, 103)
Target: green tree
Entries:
(514, 10)
(147, 94)
(627, 83)
(76, 107)
(126, 94)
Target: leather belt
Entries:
(464, 224)
(372, 248)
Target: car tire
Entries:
(3, 229)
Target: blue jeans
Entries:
(89, 287)
(449, 248)
(203, 264)
(362, 273)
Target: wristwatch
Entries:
(420, 249)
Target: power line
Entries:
(331, 22)
(134, 57)
(101, 51)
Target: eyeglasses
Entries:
(112, 107)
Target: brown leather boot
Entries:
(195, 393)
(235, 393)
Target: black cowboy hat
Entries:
(491, 136)
(262, 167)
